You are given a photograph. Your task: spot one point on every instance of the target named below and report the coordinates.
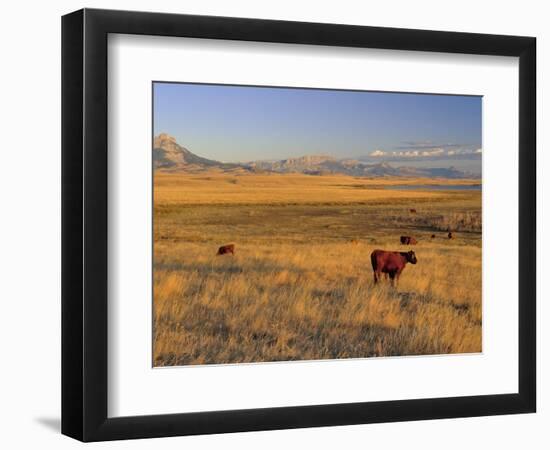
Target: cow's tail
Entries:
(373, 260)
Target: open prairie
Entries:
(300, 285)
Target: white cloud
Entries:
(377, 153)
(440, 152)
(417, 154)
(463, 152)
(434, 152)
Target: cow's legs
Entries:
(392, 278)
(376, 276)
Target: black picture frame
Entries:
(84, 224)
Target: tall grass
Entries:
(310, 302)
(298, 288)
(457, 221)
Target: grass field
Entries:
(298, 288)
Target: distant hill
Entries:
(320, 164)
(168, 155)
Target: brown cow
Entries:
(408, 240)
(226, 249)
(450, 235)
(390, 263)
(433, 236)
(412, 211)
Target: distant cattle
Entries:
(226, 249)
(433, 236)
(390, 263)
(450, 235)
(408, 240)
(412, 211)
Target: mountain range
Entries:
(168, 155)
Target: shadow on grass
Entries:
(229, 266)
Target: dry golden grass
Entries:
(298, 288)
(459, 221)
(220, 188)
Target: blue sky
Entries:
(243, 123)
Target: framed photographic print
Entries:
(273, 224)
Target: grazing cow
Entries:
(390, 263)
(226, 249)
(412, 211)
(433, 236)
(408, 240)
(450, 235)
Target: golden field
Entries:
(300, 285)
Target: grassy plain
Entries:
(300, 285)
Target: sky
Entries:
(246, 123)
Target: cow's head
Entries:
(411, 257)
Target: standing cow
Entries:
(226, 250)
(408, 240)
(391, 263)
